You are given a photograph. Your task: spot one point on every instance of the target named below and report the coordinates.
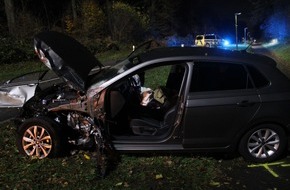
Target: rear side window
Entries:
(258, 78)
(219, 76)
(210, 37)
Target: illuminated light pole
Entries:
(236, 24)
(245, 35)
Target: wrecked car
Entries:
(16, 91)
(170, 99)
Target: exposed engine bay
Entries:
(67, 107)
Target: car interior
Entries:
(126, 113)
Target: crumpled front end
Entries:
(12, 99)
(16, 96)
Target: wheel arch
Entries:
(50, 128)
(272, 125)
(257, 123)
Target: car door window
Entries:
(259, 79)
(157, 76)
(148, 94)
(217, 76)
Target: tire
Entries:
(264, 143)
(38, 138)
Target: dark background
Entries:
(264, 19)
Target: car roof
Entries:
(266, 65)
(202, 53)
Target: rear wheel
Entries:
(38, 138)
(264, 143)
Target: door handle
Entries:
(245, 103)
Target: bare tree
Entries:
(9, 9)
(74, 11)
(108, 11)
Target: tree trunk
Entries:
(9, 9)
(108, 9)
(74, 11)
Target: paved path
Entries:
(238, 174)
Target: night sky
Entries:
(216, 16)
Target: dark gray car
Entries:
(167, 99)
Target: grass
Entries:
(157, 77)
(9, 71)
(79, 170)
(282, 55)
(114, 55)
(282, 52)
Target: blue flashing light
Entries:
(226, 42)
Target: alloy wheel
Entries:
(37, 142)
(263, 143)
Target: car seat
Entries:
(148, 127)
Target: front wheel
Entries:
(264, 143)
(38, 138)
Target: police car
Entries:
(208, 40)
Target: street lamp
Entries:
(245, 35)
(236, 24)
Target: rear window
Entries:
(210, 37)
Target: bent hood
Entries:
(66, 57)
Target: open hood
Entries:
(66, 57)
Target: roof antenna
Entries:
(250, 45)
